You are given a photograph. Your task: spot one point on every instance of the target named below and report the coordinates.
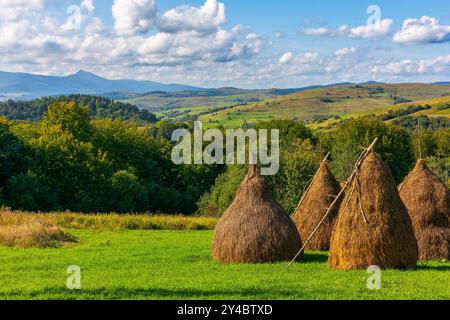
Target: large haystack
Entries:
(311, 210)
(373, 226)
(428, 202)
(255, 229)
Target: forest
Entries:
(99, 107)
(72, 160)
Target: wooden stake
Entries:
(347, 184)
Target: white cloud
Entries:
(134, 16)
(344, 52)
(286, 58)
(204, 19)
(377, 30)
(33, 40)
(319, 32)
(423, 30)
(440, 64)
(88, 5)
(201, 51)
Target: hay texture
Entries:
(312, 208)
(428, 202)
(255, 229)
(373, 226)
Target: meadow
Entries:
(334, 104)
(117, 263)
(181, 106)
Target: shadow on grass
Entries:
(315, 257)
(434, 268)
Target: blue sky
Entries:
(252, 44)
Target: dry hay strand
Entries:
(30, 232)
(428, 202)
(255, 228)
(319, 197)
(373, 226)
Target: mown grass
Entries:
(139, 264)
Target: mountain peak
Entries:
(83, 73)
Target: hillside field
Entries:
(323, 107)
(141, 264)
(179, 106)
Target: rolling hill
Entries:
(324, 106)
(182, 105)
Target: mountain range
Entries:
(25, 86)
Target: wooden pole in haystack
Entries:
(336, 200)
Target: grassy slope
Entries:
(178, 108)
(342, 102)
(177, 265)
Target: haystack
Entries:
(373, 226)
(428, 202)
(317, 199)
(255, 229)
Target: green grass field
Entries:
(139, 264)
(337, 103)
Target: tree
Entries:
(12, 153)
(351, 136)
(77, 172)
(31, 192)
(127, 193)
(70, 117)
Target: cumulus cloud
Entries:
(286, 58)
(88, 5)
(34, 40)
(376, 30)
(134, 16)
(423, 30)
(344, 52)
(204, 19)
(440, 64)
(319, 32)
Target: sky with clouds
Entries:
(215, 43)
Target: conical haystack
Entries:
(255, 229)
(313, 206)
(428, 202)
(373, 226)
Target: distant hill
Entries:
(99, 108)
(322, 107)
(25, 86)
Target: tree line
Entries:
(99, 108)
(69, 160)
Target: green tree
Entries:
(127, 193)
(350, 137)
(70, 117)
(76, 170)
(12, 153)
(31, 192)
